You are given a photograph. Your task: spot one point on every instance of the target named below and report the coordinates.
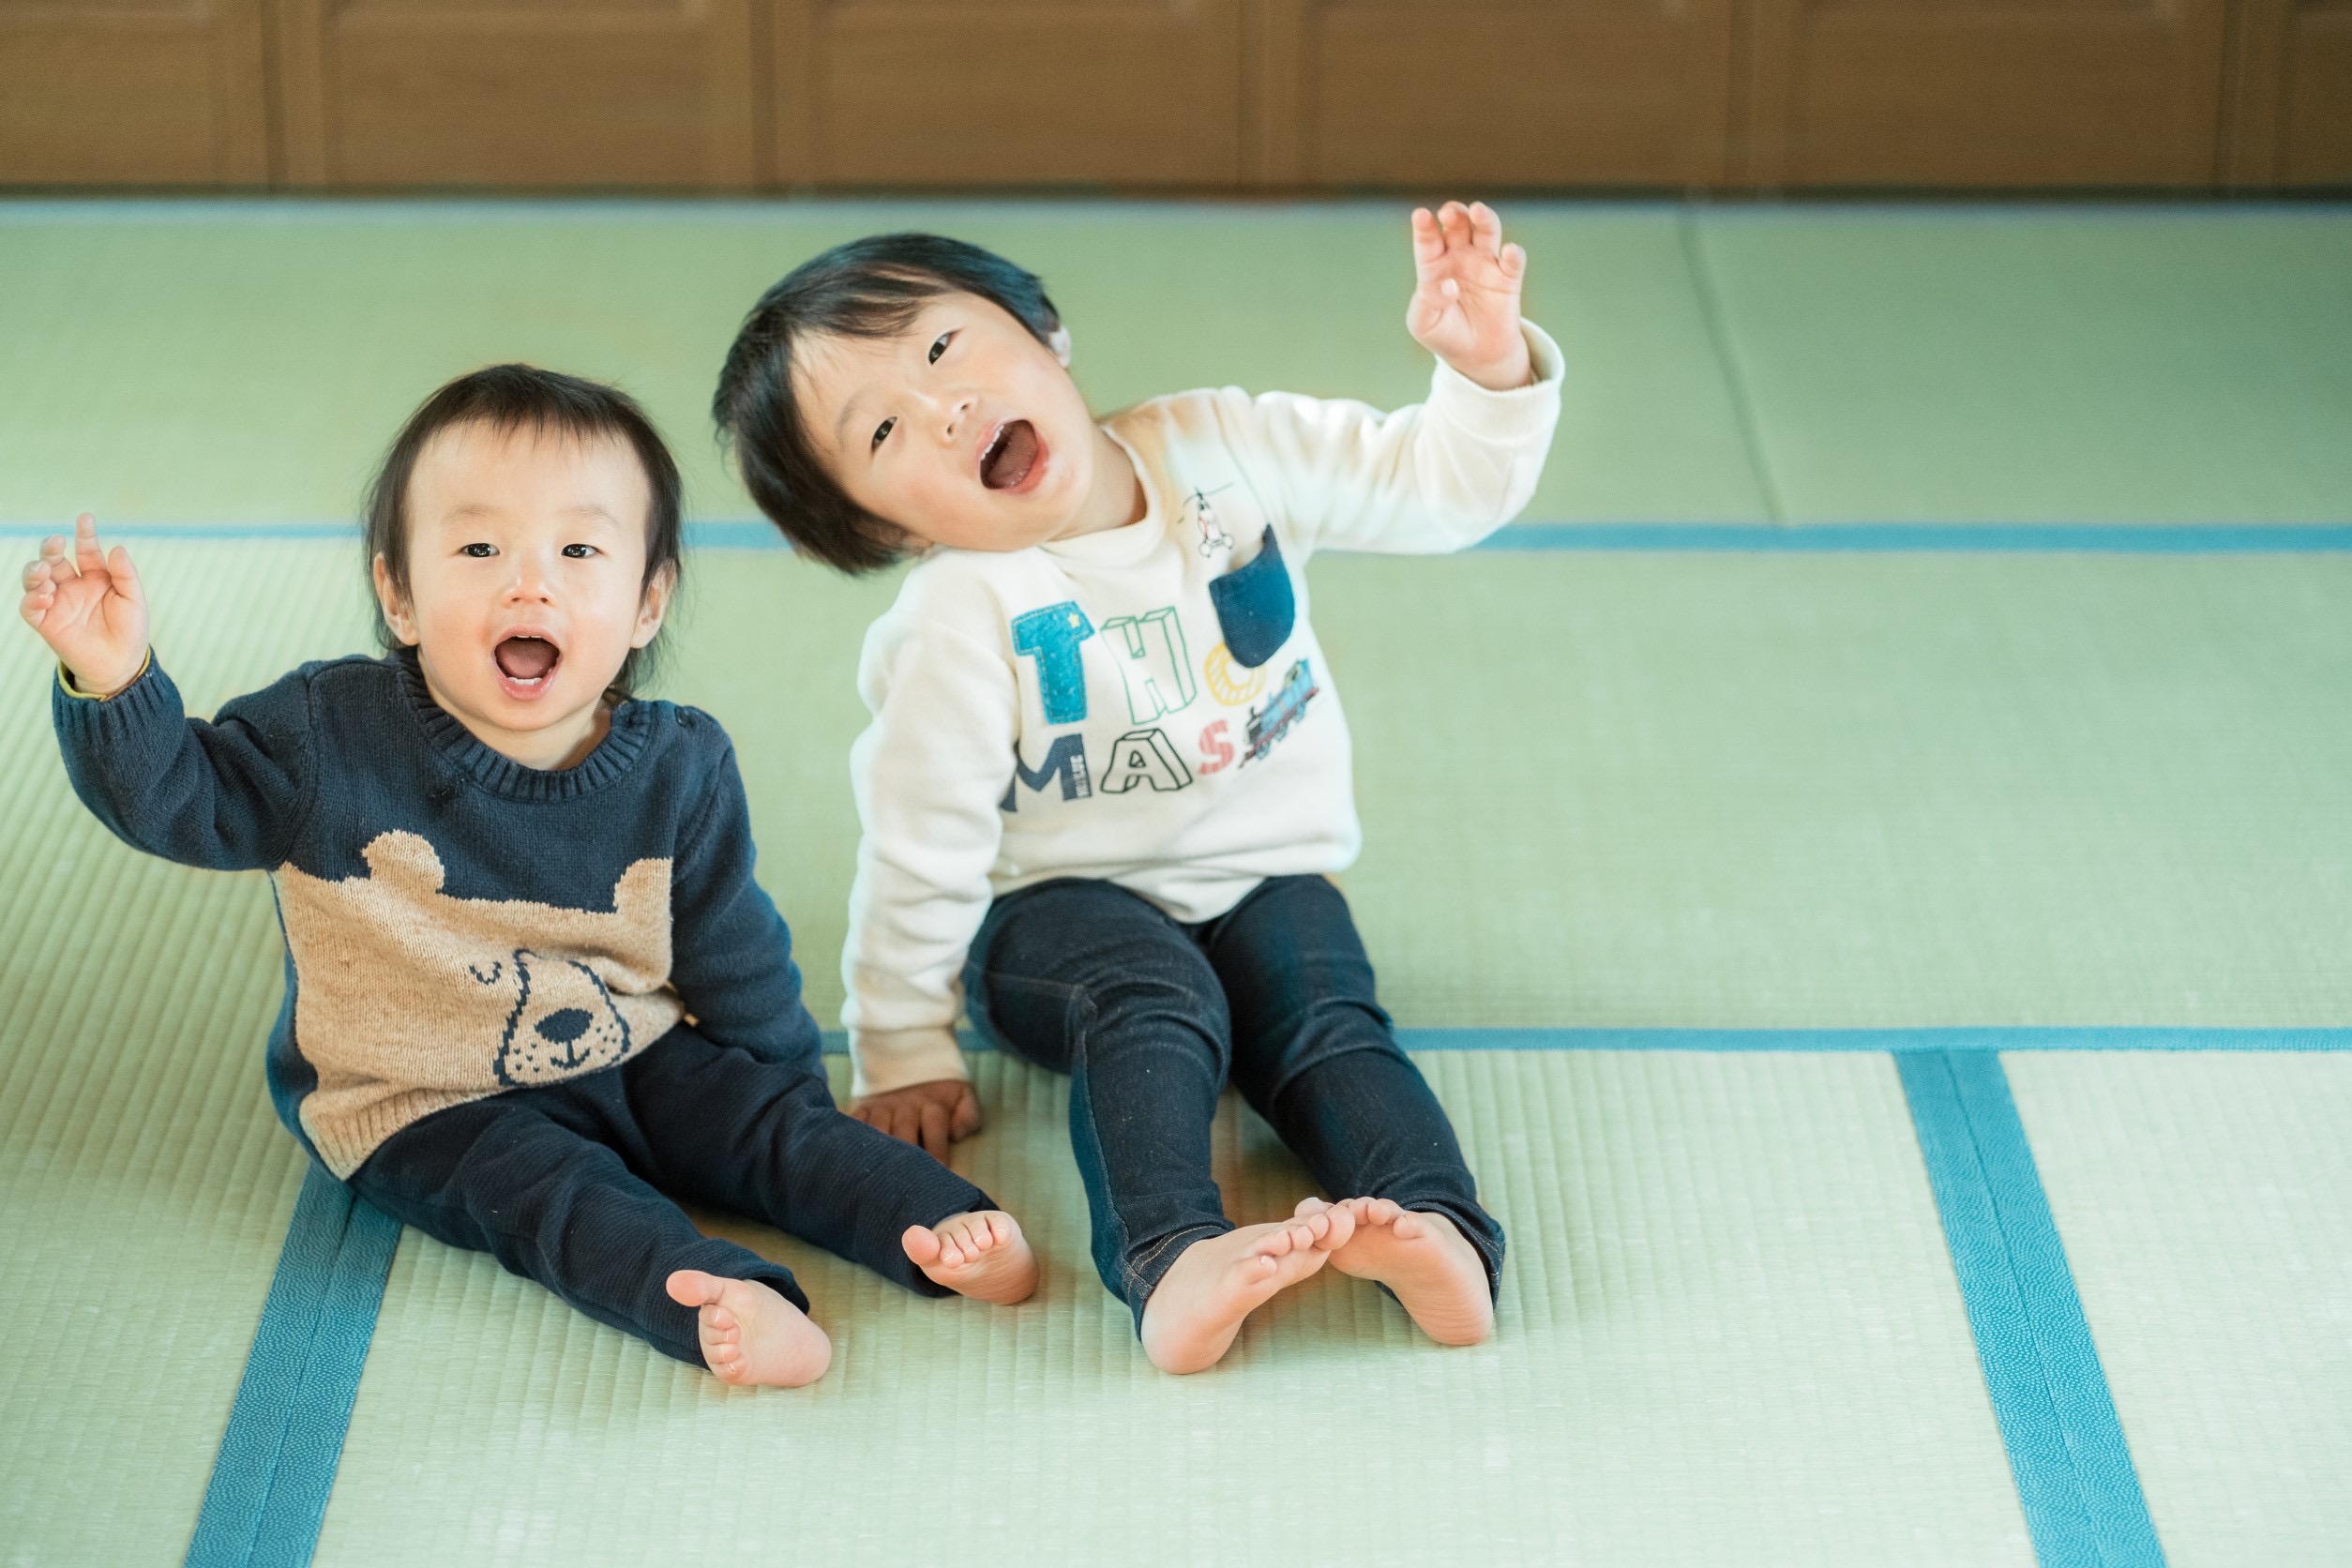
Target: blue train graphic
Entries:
(1270, 723)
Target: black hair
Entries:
(511, 397)
(868, 288)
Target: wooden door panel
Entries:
(1990, 93)
(97, 92)
(2291, 105)
(1034, 93)
(646, 94)
(1428, 93)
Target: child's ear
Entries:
(653, 605)
(1060, 342)
(394, 604)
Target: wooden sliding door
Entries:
(1989, 93)
(1422, 93)
(1131, 93)
(133, 92)
(532, 92)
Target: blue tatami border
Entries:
(2073, 1470)
(277, 1462)
(275, 1467)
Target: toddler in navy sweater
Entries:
(531, 985)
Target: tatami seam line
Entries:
(275, 1470)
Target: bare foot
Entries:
(751, 1334)
(1199, 1305)
(1424, 1259)
(981, 1255)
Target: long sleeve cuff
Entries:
(1514, 416)
(65, 682)
(888, 1058)
(146, 712)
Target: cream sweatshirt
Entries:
(1147, 705)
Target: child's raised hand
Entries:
(89, 608)
(1464, 306)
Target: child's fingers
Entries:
(1513, 258)
(1456, 219)
(1485, 228)
(1428, 241)
(54, 556)
(87, 555)
(126, 576)
(934, 1129)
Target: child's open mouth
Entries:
(525, 664)
(1010, 460)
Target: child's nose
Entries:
(959, 409)
(531, 579)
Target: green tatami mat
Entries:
(1727, 791)
(145, 1184)
(2206, 1203)
(248, 362)
(2160, 366)
(1728, 1334)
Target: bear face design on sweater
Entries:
(563, 1022)
(409, 1000)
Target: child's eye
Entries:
(883, 429)
(579, 553)
(479, 552)
(940, 346)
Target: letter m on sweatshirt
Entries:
(1066, 758)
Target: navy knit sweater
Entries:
(457, 924)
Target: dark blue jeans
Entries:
(1152, 1016)
(565, 1182)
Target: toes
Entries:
(922, 1246)
(1312, 1206)
(1408, 1225)
(1343, 1227)
(693, 1287)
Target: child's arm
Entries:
(929, 774)
(1440, 474)
(731, 954)
(225, 795)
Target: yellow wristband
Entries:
(65, 682)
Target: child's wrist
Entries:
(107, 683)
(1508, 374)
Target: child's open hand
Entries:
(89, 608)
(929, 1115)
(1464, 306)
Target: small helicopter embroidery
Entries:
(1212, 535)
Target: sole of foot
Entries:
(750, 1335)
(1438, 1275)
(1198, 1308)
(982, 1255)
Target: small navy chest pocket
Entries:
(1256, 607)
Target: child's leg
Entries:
(530, 1177)
(725, 1128)
(1086, 978)
(1314, 1054)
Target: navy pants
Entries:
(564, 1183)
(1152, 1016)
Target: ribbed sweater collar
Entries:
(625, 741)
